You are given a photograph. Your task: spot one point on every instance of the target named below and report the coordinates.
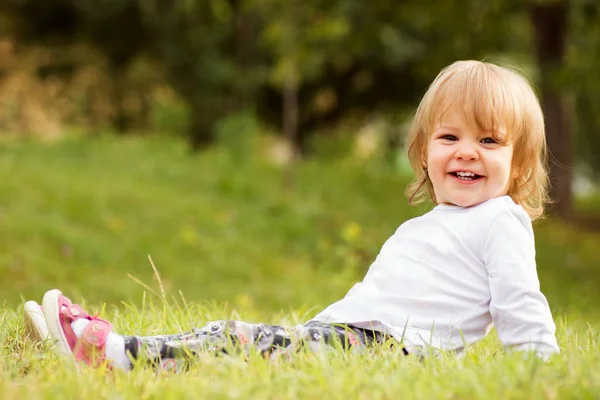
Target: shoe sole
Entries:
(36, 327)
(52, 314)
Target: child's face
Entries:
(466, 165)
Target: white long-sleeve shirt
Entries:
(444, 278)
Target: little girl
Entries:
(477, 147)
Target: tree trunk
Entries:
(550, 31)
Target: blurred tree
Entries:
(116, 28)
(299, 36)
(113, 27)
(206, 47)
(583, 82)
(550, 20)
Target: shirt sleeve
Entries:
(519, 310)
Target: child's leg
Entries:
(90, 339)
(221, 336)
(216, 337)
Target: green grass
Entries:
(485, 372)
(230, 237)
(84, 214)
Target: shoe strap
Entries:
(74, 311)
(91, 346)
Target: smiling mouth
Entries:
(466, 176)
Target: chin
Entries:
(466, 202)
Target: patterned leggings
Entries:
(172, 351)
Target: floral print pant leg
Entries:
(226, 336)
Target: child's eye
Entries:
(448, 136)
(489, 140)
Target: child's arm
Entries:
(519, 309)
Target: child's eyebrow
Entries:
(445, 126)
(500, 135)
(496, 132)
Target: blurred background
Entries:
(254, 148)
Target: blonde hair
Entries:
(490, 95)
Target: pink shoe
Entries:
(60, 312)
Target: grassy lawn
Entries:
(232, 240)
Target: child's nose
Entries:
(467, 151)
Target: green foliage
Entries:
(170, 116)
(238, 133)
(299, 35)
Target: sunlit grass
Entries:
(28, 371)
